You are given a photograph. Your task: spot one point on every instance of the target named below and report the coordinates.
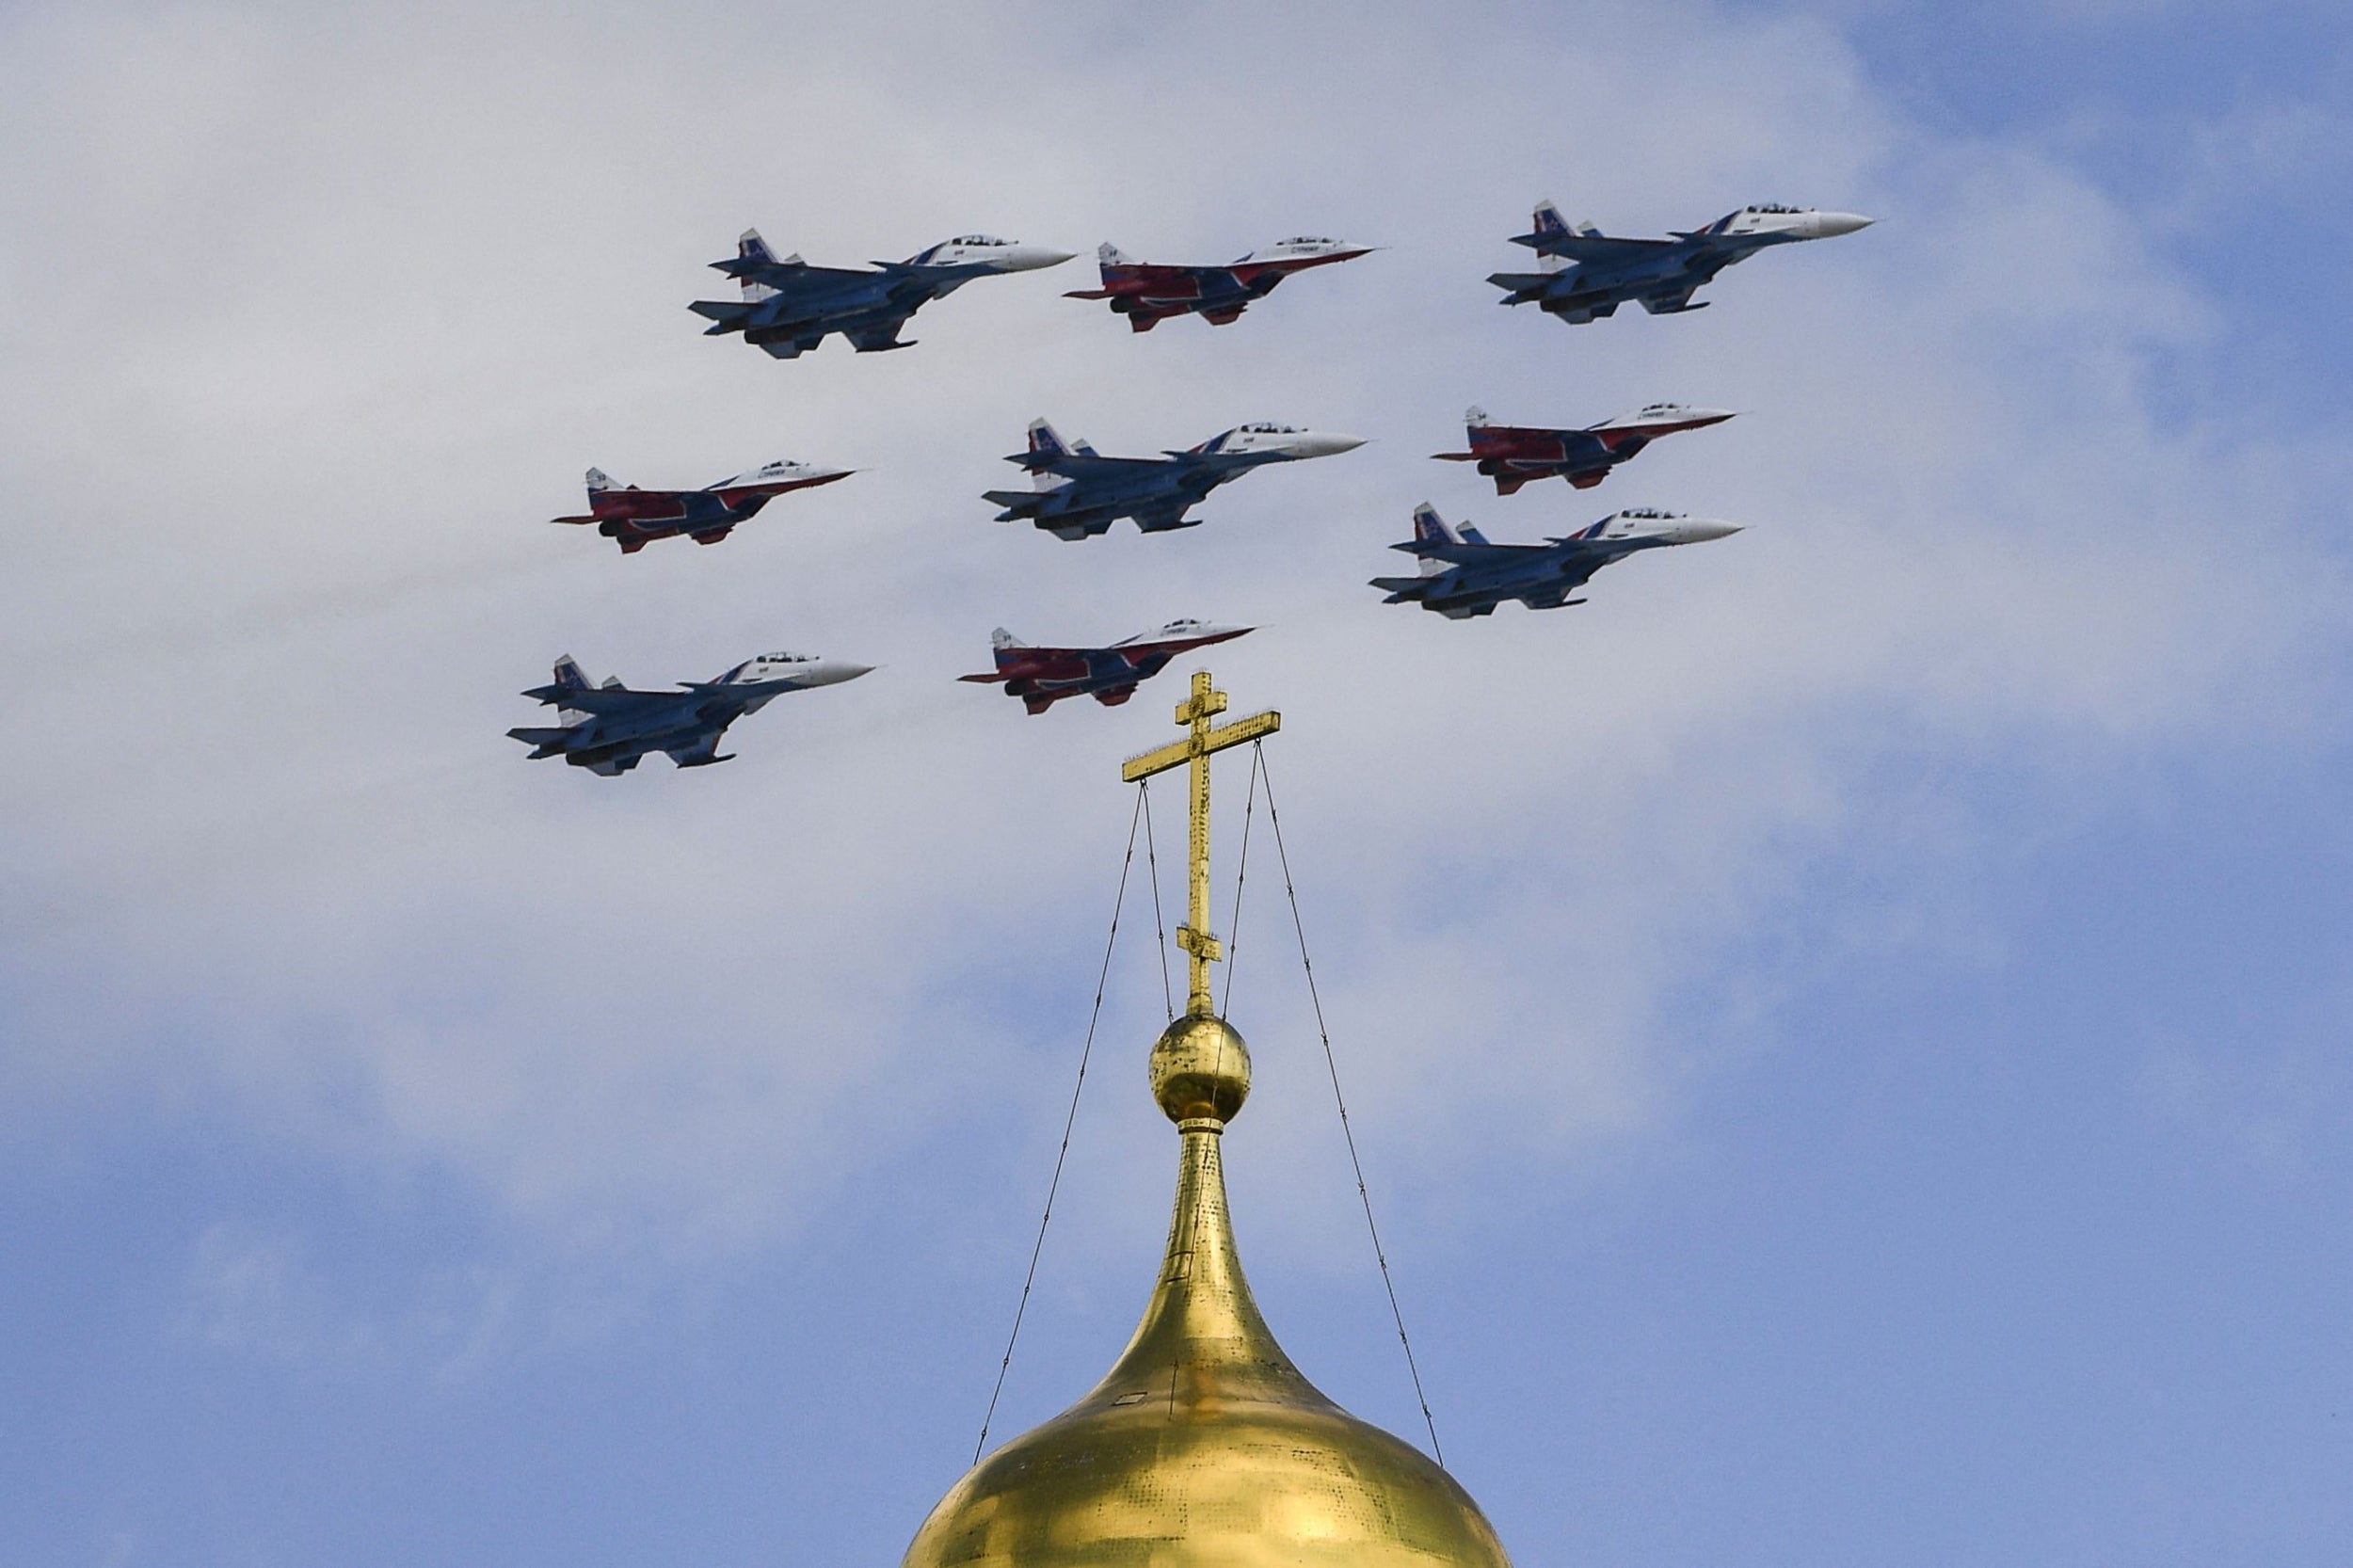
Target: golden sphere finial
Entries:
(1200, 1067)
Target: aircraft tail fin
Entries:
(599, 480)
(570, 678)
(1549, 224)
(1432, 529)
(1045, 442)
(751, 248)
(1470, 535)
(1001, 639)
(1476, 417)
(1110, 255)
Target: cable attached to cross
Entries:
(1331, 1064)
(1069, 1121)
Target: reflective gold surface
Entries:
(1200, 1067)
(1201, 740)
(1205, 1445)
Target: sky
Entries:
(1846, 1030)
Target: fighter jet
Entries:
(633, 517)
(1512, 455)
(789, 306)
(1041, 677)
(1148, 294)
(608, 729)
(1588, 273)
(1081, 492)
(1462, 575)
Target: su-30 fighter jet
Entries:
(1512, 454)
(789, 306)
(633, 517)
(608, 729)
(1081, 492)
(1588, 273)
(1041, 677)
(1148, 293)
(1462, 575)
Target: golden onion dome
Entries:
(1204, 1444)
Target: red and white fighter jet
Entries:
(1512, 454)
(634, 518)
(1148, 294)
(1041, 677)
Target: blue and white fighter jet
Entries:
(1587, 273)
(608, 729)
(1081, 492)
(790, 306)
(1462, 575)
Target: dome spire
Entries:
(1194, 713)
(1204, 1446)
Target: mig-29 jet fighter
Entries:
(633, 517)
(1462, 575)
(1148, 293)
(789, 306)
(608, 729)
(1041, 677)
(1588, 273)
(1512, 454)
(1081, 492)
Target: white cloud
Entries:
(312, 322)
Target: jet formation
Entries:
(1148, 293)
(608, 729)
(1041, 677)
(1512, 455)
(1586, 273)
(789, 306)
(1081, 492)
(634, 518)
(1462, 575)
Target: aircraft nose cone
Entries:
(1029, 258)
(1700, 530)
(835, 671)
(1828, 224)
(1327, 444)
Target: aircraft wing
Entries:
(699, 753)
(1667, 302)
(868, 340)
(787, 280)
(606, 701)
(1084, 465)
(1591, 248)
(1042, 664)
(1160, 517)
(1468, 554)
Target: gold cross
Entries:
(1194, 713)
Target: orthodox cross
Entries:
(1194, 713)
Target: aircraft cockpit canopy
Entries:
(1264, 430)
(1775, 207)
(784, 658)
(1306, 239)
(978, 239)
